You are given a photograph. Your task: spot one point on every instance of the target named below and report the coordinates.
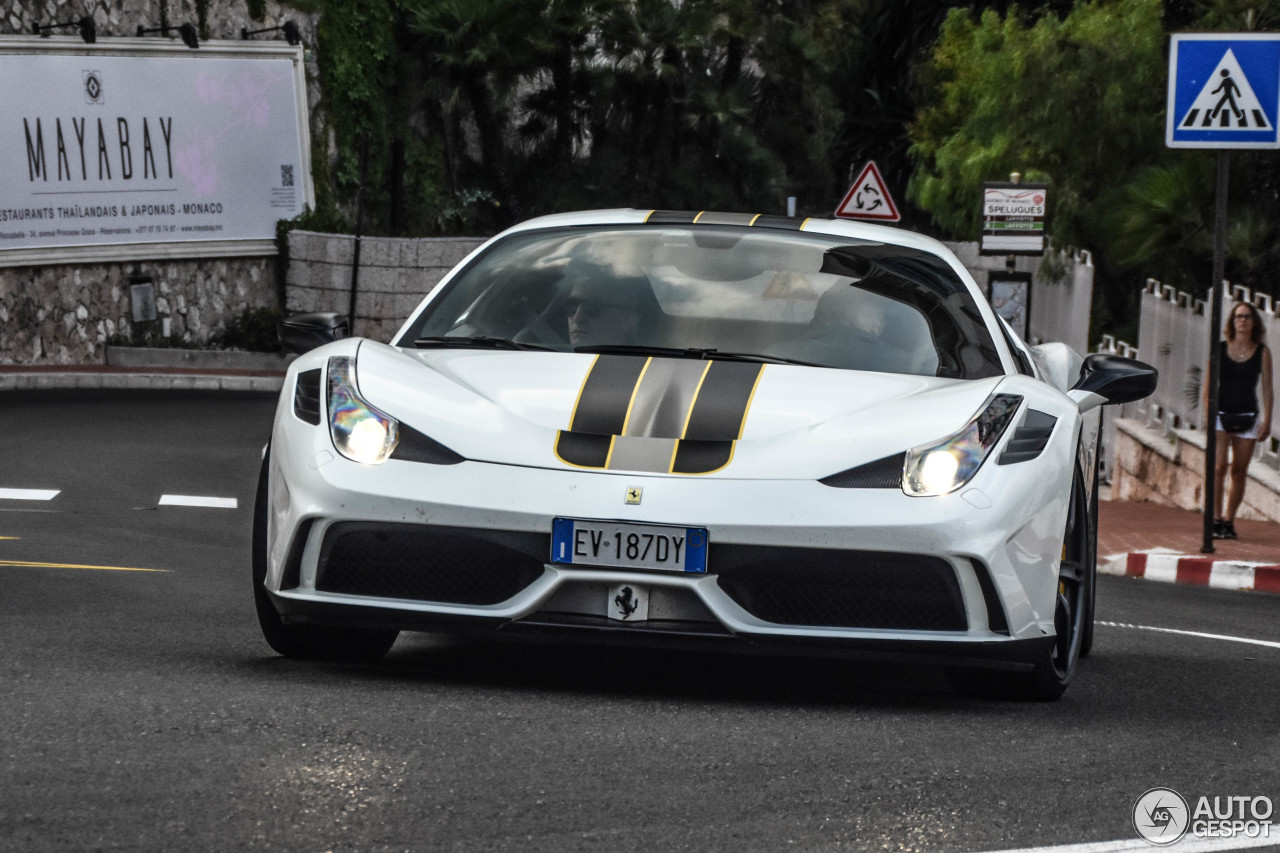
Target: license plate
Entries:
(631, 546)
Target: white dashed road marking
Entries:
(29, 494)
(198, 500)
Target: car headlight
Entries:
(935, 469)
(360, 432)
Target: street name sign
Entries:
(1224, 91)
(1013, 217)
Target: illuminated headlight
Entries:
(360, 432)
(936, 469)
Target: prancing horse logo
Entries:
(626, 602)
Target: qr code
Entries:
(286, 175)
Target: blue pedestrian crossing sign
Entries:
(1224, 91)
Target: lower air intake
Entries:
(447, 565)
(841, 589)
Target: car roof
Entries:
(810, 225)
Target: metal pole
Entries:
(1215, 322)
(355, 253)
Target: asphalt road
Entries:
(141, 711)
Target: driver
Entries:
(604, 308)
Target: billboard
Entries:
(144, 148)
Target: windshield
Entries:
(717, 290)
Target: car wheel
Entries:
(1091, 566)
(1073, 612)
(313, 642)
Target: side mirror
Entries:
(1109, 379)
(304, 332)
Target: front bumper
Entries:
(961, 577)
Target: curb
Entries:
(147, 381)
(1161, 564)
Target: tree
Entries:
(1075, 101)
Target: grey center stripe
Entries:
(663, 397)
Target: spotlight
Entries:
(291, 32)
(88, 30)
(186, 31)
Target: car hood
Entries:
(629, 413)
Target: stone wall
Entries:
(394, 275)
(1168, 469)
(64, 314)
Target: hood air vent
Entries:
(884, 473)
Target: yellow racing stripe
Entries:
(626, 419)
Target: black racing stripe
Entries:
(789, 223)
(722, 401)
(701, 457)
(606, 394)
(672, 217)
(583, 449)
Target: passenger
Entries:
(858, 330)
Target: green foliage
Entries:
(254, 330)
(1162, 221)
(1075, 101)
(148, 334)
(356, 44)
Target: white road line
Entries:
(197, 500)
(1189, 844)
(29, 494)
(1268, 643)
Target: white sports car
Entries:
(721, 429)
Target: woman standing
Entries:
(1243, 360)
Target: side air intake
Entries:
(306, 396)
(1029, 439)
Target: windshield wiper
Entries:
(701, 353)
(480, 341)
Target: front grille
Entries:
(449, 565)
(841, 589)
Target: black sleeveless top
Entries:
(1238, 381)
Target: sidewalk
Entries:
(1146, 540)
(21, 377)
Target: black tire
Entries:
(1086, 636)
(1073, 614)
(309, 642)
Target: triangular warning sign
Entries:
(868, 198)
(1227, 101)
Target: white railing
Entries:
(1173, 335)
